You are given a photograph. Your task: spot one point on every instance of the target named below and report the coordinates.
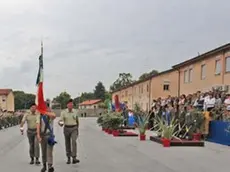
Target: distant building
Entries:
(90, 104)
(7, 100)
(55, 105)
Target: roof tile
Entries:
(5, 91)
(90, 102)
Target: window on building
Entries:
(186, 76)
(227, 63)
(126, 93)
(147, 88)
(141, 88)
(203, 71)
(166, 87)
(218, 67)
(147, 106)
(190, 75)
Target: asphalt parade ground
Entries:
(100, 152)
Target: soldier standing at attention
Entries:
(43, 135)
(30, 118)
(69, 118)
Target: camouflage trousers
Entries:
(33, 142)
(47, 150)
(71, 134)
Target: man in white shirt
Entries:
(206, 99)
(210, 102)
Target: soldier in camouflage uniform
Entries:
(30, 118)
(43, 135)
(69, 118)
(189, 121)
(181, 117)
(5, 119)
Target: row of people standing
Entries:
(40, 130)
(181, 107)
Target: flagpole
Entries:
(42, 48)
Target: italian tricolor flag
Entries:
(41, 105)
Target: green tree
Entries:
(146, 75)
(84, 96)
(23, 100)
(62, 98)
(108, 95)
(87, 96)
(123, 80)
(99, 91)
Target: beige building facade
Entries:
(205, 72)
(164, 84)
(7, 100)
(138, 92)
(141, 94)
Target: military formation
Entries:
(9, 119)
(41, 137)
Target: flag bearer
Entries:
(30, 118)
(44, 134)
(69, 118)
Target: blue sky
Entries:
(86, 41)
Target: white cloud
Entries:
(86, 41)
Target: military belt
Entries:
(70, 126)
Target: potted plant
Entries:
(142, 121)
(142, 125)
(167, 136)
(197, 125)
(116, 122)
(100, 121)
(103, 121)
(107, 123)
(112, 121)
(168, 131)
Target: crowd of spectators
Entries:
(215, 104)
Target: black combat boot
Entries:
(68, 160)
(50, 168)
(75, 160)
(37, 162)
(32, 160)
(44, 168)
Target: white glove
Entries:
(61, 123)
(21, 128)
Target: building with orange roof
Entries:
(7, 100)
(90, 104)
